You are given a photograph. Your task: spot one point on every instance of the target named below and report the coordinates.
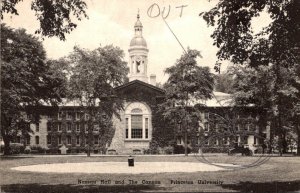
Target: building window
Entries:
(58, 126)
(69, 140)
(69, 116)
(136, 133)
(37, 127)
(136, 126)
(137, 110)
(86, 140)
(246, 140)
(206, 141)
(77, 115)
(77, 140)
(86, 128)
(206, 115)
(247, 127)
(86, 116)
(28, 140)
(137, 121)
(59, 115)
(37, 140)
(237, 127)
(59, 140)
(48, 126)
(206, 126)
(217, 126)
(179, 140)
(127, 126)
(95, 127)
(216, 142)
(77, 127)
(96, 138)
(48, 139)
(146, 128)
(69, 127)
(226, 140)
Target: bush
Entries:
(153, 149)
(16, 148)
(260, 150)
(27, 150)
(54, 151)
(37, 149)
(179, 149)
(168, 150)
(215, 149)
(1, 148)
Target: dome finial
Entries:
(138, 15)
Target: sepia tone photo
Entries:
(150, 96)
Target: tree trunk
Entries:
(298, 142)
(185, 143)
(6, 145)
(89, 151)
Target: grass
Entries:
(279, 174)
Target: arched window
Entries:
(37, 140)
(137, 121)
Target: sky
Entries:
(112, 21)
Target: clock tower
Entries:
(138, 54)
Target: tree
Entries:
(236, 41)
(26, 80)
(259, 86)
(186, 84)
(275, 46)
(54, 15)
(94, 75)
(224, 83)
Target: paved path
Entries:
(120, 167)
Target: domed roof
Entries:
(138, 41)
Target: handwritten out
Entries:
(155, 11)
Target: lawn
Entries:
(279, 174)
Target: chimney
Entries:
(153, 79)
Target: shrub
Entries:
(27, 150)
(111, 152)
(168, 150)
(153, 149)
(16, 148)
(179, 149)
(260, 150)
(215, 149)
(1, 148)
(147, 151)
(37, 149)
(54, 151)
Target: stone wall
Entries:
(117, 142)
(42, 133)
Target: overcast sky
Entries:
(112, 21)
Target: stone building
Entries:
(134, 131)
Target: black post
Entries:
(298, 132)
